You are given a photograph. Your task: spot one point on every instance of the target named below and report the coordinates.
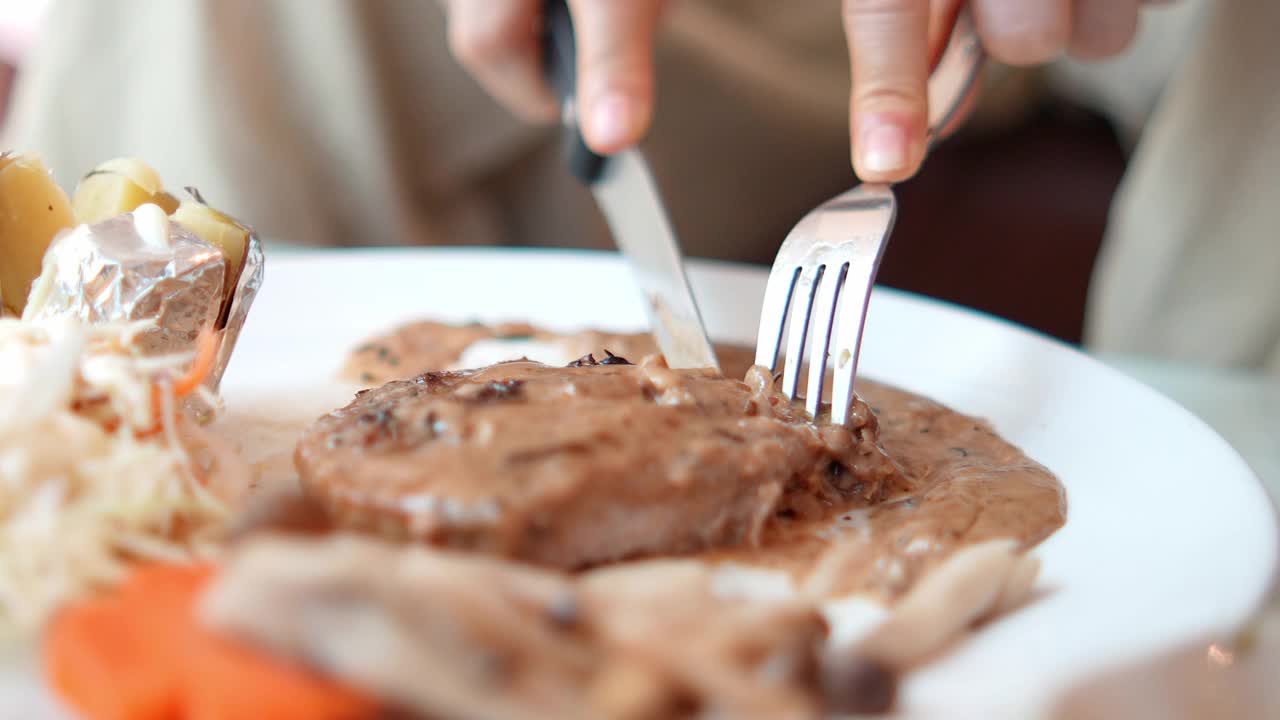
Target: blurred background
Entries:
(1007, 217)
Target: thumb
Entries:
(889, 54)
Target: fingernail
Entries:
(611, 120)
(884, 147)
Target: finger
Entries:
(889, 54)
(1102, 28)
(942, 19)
(615, 70)
(1023, 32)
(499, 42)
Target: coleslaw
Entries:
(99, 467)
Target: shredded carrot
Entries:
(140, 654)
(197, 372)
(201, 365)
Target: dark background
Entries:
(1020, 244)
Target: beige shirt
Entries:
(1191, 264)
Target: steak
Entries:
(595, 462)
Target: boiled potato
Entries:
(117, 187)
(218, 230)
(33, 210)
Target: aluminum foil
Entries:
(113, 271)
(246, 289)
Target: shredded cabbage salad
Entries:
(98, 467)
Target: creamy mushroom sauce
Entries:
(967, 484)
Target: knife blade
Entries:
(628, 197)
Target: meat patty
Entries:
(594, 462)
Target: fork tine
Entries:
(849, 338)
(845, 238)
(773, 315)
(824, 315)
(799, 335)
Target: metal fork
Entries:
(829, 260)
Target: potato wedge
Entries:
(33, 210)
(117, 187)
(222, 232)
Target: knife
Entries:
(624, 189)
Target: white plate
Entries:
(1169, 535)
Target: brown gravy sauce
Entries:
(968, 484)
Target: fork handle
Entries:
(955, 73)
(561, 69)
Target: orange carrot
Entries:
(230, 681)
(117, 657)
(94, 662)
(139, 654)
(201, 365)
(197, 372)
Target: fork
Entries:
(831, 256)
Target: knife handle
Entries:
(561, 68)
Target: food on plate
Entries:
(135, 266)
(959, 483)
(426, 345)
(216, 228)
(33, 210)
(353, 627)
(138, 652)
(598, 461)
(975, 583)
(589, 537)
(139, 254)
(119, 186)
(444, 634)
(99, 467)
(104, 381)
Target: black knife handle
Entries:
(561, 68)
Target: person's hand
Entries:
(892, 44)
(499, 41)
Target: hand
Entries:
(891, 44)
(499, 41)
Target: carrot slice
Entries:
(118, 657)
(231, 681)
(139, 654)
(96, 664)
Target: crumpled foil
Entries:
(246, 289)
(108, 272)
